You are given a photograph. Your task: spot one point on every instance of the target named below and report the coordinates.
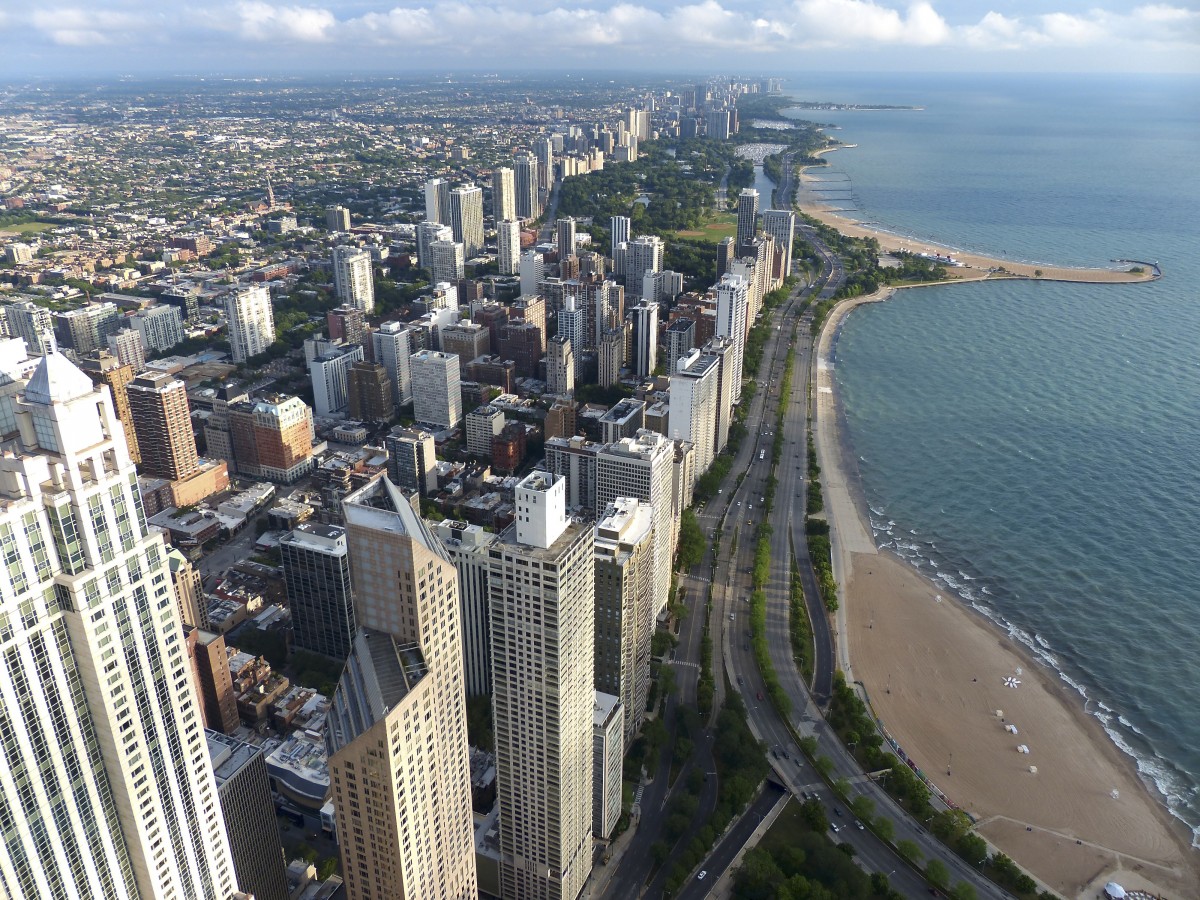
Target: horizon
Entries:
(255, 38)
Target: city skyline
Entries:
(356, 36)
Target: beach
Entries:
(974, 266)
(948, 684)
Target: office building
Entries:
(86, 328)
(392, 343)
(330, 375)
(533, 270)
(780, 224)
(447, 262)
(107, 783)
(645, 339)
(468, 547)
(508, 246)
(747, 217)
(369, 393)
(396, 736)
(566, 238)
(244, 789)
(560, 365)
(525, 173)
(625, 419)
(466, 218)
(640, 468)
(272, 438)
(437, 397)
(610, 356)
(354, 278)
(162, 420)
(625, 606)
(543, 151)
(467, 341)
(31, 323)
(635, 258)
(522, 343)
(160, 327)
(733, 307)
(725, 351)
(104, 368)
(251, 321)
(504, 195)
(542, 585)
(189, 590)
(437, 201)
(575, 459)
(185, 298)
(481, 425)
(618, 227)
(427, 234)
(608, 752)
(337, 218)
(412, 460)
(726, 254)
(214, 681)
(316, 572)
(694, 393)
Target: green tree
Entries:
(963, 891)
(886, 828)
(909, 850)
(937, 873)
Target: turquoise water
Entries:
(1035, 446)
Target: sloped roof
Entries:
(57, 380)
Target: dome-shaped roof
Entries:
(57, 380)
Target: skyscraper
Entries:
(158, 405)
(525, 173)
(337, 218)
(160, 327)
(747, 217)
(504, 195)
(640, 467)
(446, 261)
(625, 605)
(680, 338)
(466, 218)
(392, 343)
(566, 237)
(732, 310)
(437, 397)
(427, 233)
(107, 781)
(533, 270)
(781, 225)
(127, 346)
(645, 338)
(619, 232)
(694, 394)
(412, 461)
(354, 278)
(543, 150)
(542, 596)
(508, 246)
(251, 321)
(469, 547)
(397, 732)
(316, 571)
(369, 392)
(330, 374)
(437, 201)
(104, 368)
(560, 364)
(641, 255)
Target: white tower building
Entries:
(437, 397)
(437, 201)
(508, 246)
(354, 278)
(504, 195)
(533, 270)
(251, 321)
(105, 779)
(619, 232)
(733, 305)
(781, 225)
(466, 218)
(693, 407)
(392, 344)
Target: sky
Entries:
(60, 38)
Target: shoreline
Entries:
(934, 674)
(975, 266)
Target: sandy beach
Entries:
(975, 266)
(935, 673)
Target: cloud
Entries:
(74, 26)
(259, 21)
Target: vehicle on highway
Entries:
(760, 697)
(731, 617)
(859, 825)
(740, 679)
(834, 826)
(701, 876)
(762, 454)
(837, 810)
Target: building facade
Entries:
(251, 321)
(354, 278)
(316, 572)
(162, 420)
(437, 397)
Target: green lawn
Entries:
(28, 227)
(718, 227)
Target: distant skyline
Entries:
(148, 37)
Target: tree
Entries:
(972, 848)
(691, 541)
(885, 828)
(937, 873)
(963, 891)
(909, 850)
(863, 807)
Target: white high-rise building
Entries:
(392, 343)
(747, 217)
(608, 751)
(160, 327)
(251, 321)
(446, 261)
(127, 346)
(330, 375)
(533, 270)
(466, 218)
(637, 257)
(105, 779)
(565, 230)
(693, 407)
(525, 173)
(560, 364)
(733, 305)
(437, 201)
(427, 233)
(619, 232)
(641, 467)
(645, 338)
(542, 597)
(504, 195)
(572, 322)
(354, 278)
(437, 397)
(781, 225)
(399, 765)
(468, 547)
(508, 246)
(543, 151)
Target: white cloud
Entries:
(266, 22)
(73, 26)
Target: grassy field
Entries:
(27, 227)
(719, 227)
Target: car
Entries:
(720, 490)
(834, 826)
(859, 825)
(837, 810)
(775, 752)
(731, 617)
(760, 695)
(750, 506)
(740, 680)
(701, 876)
(739, 503)
(785, 754)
